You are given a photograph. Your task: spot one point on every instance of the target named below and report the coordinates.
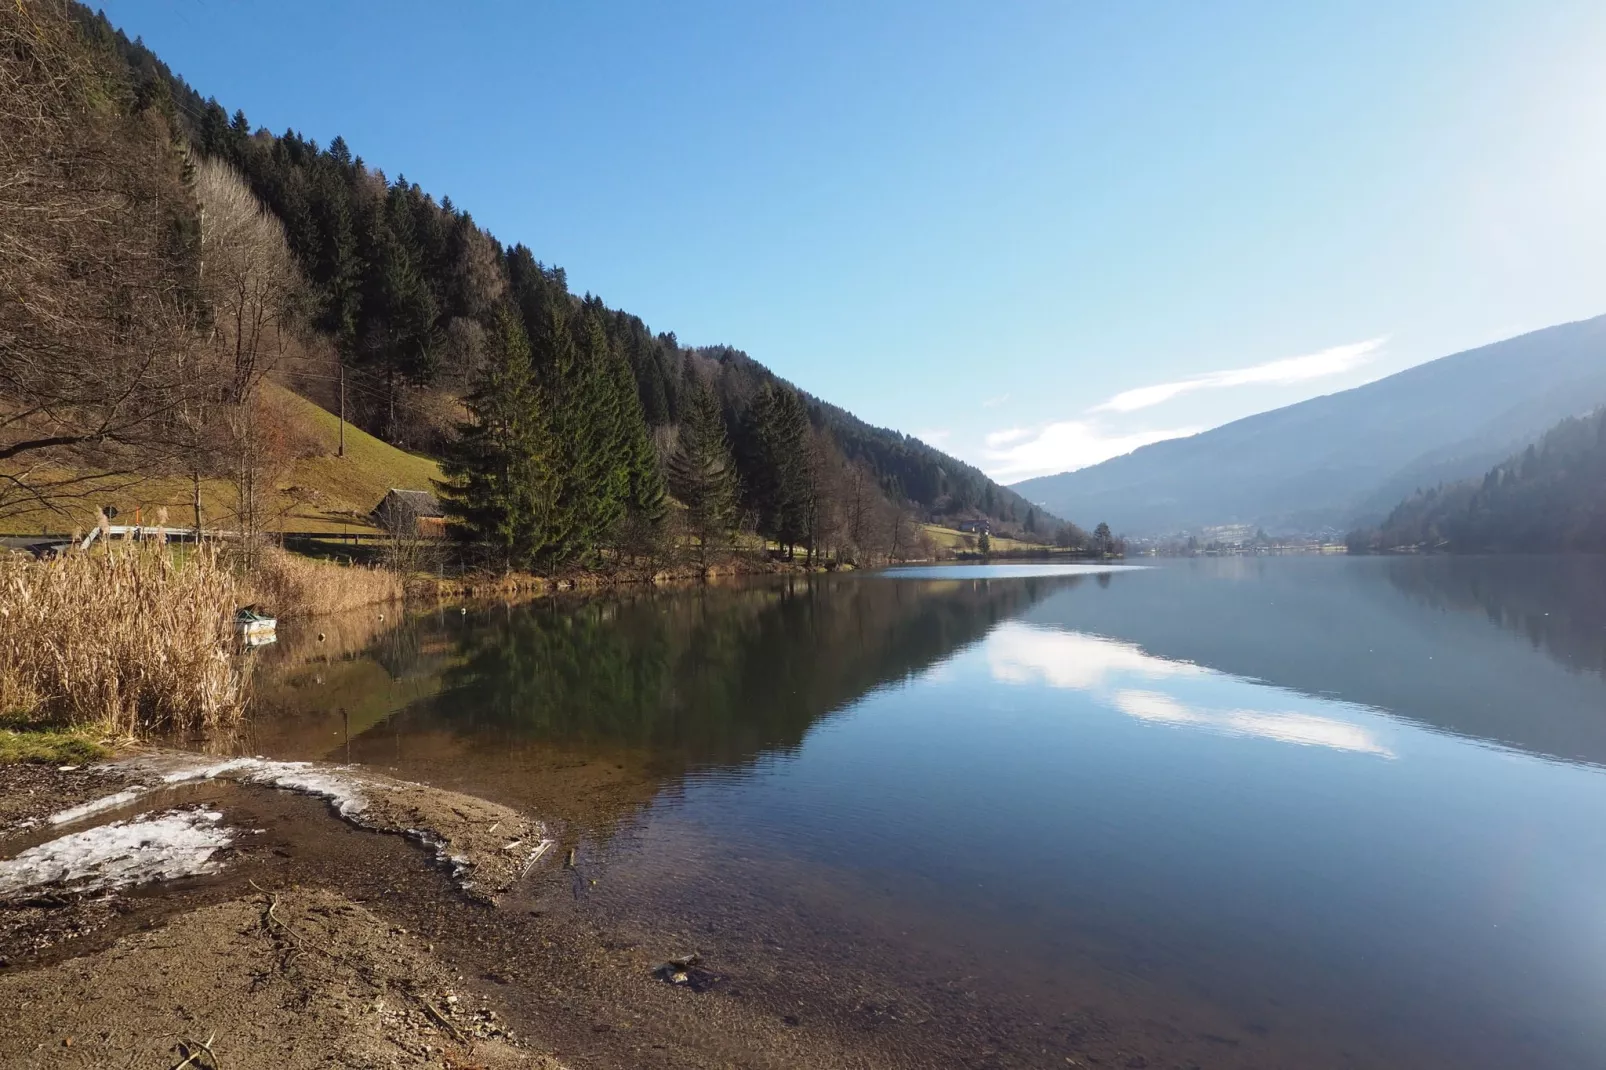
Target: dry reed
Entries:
(289, 585)
(125, 638)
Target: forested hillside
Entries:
(1550, 498)
(416, 312)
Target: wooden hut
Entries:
(418, 511)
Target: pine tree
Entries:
(501, 487)
(702, 473)
(593, 482)
(410, 308)
(777, 465)
(644, 500)
(339, 269)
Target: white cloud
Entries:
(1283, 372)
(1023, 653)
(1062, 447)
(993, 403)
(1125, 677)
(996, 439)
(1303, 729)
(1153, 706)
(934, 437)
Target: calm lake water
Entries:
(1303, 811)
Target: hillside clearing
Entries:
(953, 539)
(319, 491)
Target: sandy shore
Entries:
(130, 939)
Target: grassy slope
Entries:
(331, 493)
(353, 484)
(954, 539)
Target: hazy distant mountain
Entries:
(1347, 458)
(1550, 498)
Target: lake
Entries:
(1272, 811)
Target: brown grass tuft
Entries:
(127, 638)
(289, 585)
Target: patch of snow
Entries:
(96, 806)
(342, 791)
(178, 843)
(207, 770)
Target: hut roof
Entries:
(416, 502)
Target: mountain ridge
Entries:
(1332, 461)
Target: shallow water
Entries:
(1254, 811)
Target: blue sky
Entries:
(1035, 234)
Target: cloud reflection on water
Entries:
(1020, 653)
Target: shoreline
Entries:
(363, 920)
(254, 919)
(399, 933)
(485, 584)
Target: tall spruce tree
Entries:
(644, 499)
(777, 467)
(702, 473)
(593, 482)
(501, 486)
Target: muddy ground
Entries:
(278, 960)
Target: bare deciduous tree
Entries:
(99, 354)
(247, 275)
(251, 285)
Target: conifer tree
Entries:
(592, 483)
(701, 472)
(778, 468)
(501, 486)
(645, 497)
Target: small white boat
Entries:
(255, 628)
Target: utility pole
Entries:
(342, 363)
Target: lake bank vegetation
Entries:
(125, 641)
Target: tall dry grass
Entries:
(127, 638)
(289, 585)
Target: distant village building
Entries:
(976, 527)
(416, 510)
